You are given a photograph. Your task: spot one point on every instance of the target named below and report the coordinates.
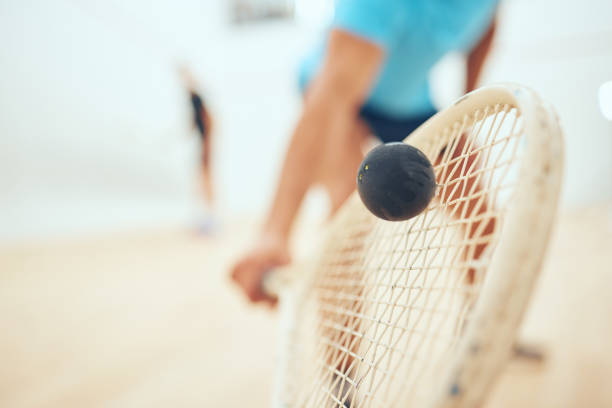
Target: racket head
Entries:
(404, 313)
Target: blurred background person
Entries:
(202, 122)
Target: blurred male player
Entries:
(368, 76)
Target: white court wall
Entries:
(563, 50)
(94, 127)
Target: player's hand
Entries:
(268, 253)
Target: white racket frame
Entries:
(515, 264)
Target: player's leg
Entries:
(206, 177)
(464, 192)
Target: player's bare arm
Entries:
(323, 134)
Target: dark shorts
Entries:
(197, 104)
(390, 129)
(200, 125)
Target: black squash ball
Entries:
(396, 181)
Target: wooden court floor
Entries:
(151, 320)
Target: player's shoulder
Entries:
(373, 9)
(460, 6)
(381, 21)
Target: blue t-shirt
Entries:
(415, 34)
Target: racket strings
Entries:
(390, 301)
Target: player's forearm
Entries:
(294, 181)
(324, 129)
(315, 138)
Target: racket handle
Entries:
(274, 280)
(270, 284)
